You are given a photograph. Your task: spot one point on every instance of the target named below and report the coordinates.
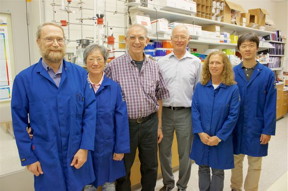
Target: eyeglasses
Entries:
(140, 38)
(182, 38)
(50, 40)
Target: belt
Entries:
(142, 119)
(176, 108)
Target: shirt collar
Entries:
(243, 67)
(99, 84)
(221, 85)
(47, 68)
(131, 60)
(186, 55)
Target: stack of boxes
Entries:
(204, 8)
(258, 16)
(232, 13)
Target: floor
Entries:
(273, 178)
(274, 168)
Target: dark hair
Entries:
(252, 37)
(91, 48)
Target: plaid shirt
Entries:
(141, 89)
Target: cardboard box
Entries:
(261, 15)
(159, 25)
(181, 6)
(233, 38)
(245, 19)
(231, 13)
(212, 28)
(142, 20)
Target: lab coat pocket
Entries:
(79, 105)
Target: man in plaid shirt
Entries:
(143, 88)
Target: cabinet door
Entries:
(279, 110)
(285, 102)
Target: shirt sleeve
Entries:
(89, 118)
(161, 89)
(122, 143)
(270, 107)
(20, 111)
(108, 71)
(198, 77)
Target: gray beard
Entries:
(54, 57)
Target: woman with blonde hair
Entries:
(215, 109)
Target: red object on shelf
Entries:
(63, 23)
(69, 1)
(100, 21)
(110, 39)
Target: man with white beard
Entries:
(54, 96)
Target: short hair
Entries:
(227, 74)
(252, 37)
(139, 26)
(38, 33)
(93, 47)
(182, 26)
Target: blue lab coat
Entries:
(257, 112)
(112, 132)
(214, 112)
(63, 121)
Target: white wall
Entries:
(17, 9)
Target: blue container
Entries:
(150, 52)
(160, 52)
(158, 44)
(150, 46)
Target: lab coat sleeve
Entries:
(270, 108)
(122, 136)
(20, 111)
(232, 118)
(89, 118)
(196, 116)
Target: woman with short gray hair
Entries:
(112, 129)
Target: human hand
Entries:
(264, 139)
(79, 158)
(29, 131)
(213, 141)
(160, 135)
(118, 156)
(204, 137)
(35, 168)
